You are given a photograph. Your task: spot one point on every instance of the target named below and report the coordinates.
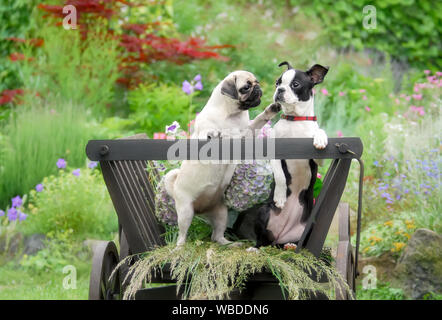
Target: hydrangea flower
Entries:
(92, 164)
(165, 205)
(61, 163)
(250, 185)
(76, 172)
(39, 187)
(17, 201)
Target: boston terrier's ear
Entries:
(285, 63)
(229, 88)
(317, 73)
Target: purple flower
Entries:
(92, 164)
(12, 214)
(76, 172)
(199, 86)
(22, 216)
(61, 163)
(387, 173)
(197, 78)
(187, 87)
(2, 213)
(173, 128)
(17, 201)
(39, 187)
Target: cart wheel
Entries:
(345, 263)
(103, 263)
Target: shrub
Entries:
(60, 251)
(154, 106)
(74, 200)
(407, 30)
(71, 69)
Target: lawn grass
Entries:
(19, 284)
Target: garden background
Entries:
(137, 66)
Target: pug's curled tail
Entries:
(169, 180)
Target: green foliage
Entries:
(258, 46)
(390, 236)
(59, 252)
(215, 270)
(71, 69)
(69, 202)
(155, 106)
(15, 22)
(32, 141)
(383, 292)
(407, 30)
(18, 283)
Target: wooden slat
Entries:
(285, 148)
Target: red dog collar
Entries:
(295, 118)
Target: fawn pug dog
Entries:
(282, 221)
(199, 187)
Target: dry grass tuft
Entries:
(208, 270)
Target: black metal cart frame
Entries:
(124, 164)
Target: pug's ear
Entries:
(317, 73)
(229, 88)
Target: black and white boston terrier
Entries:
(282, 220)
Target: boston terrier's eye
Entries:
(278, 82)
(295, 84)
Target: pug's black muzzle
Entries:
(253, 100)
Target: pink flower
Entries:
(159, 135)
(341, 93)
(314, 91)
(324, 92)
(417, 96)
(318, 175)
(439, 74)
(361, 90)
(427, 71)
(407, 98)
(364, 97)
(367, 108)
(339, 133)
(397, 101)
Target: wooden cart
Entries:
(124, 164)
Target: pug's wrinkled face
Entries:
(243, 87)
